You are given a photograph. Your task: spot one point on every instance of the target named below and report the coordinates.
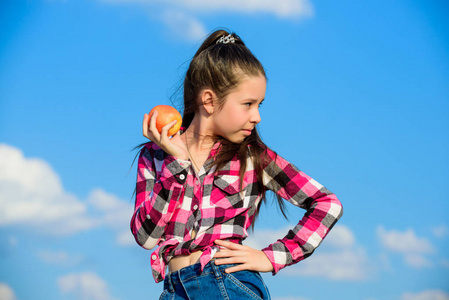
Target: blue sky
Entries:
(357, 97)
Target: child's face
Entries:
(240, 112)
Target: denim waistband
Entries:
(192, 271)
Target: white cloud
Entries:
(408, 244)
(6, 292)
(32, 196)
(404, 242)
(125, 239)
(84, 286)
(282, 9)
(183, 25)
(115, 214)
(344, 264)
(182, 17)
(340, 237)
(441, 231)
(339, 258)
(426, 295)
(417, 261)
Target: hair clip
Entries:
(226, 39)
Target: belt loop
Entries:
(215, 268)
(170, 284)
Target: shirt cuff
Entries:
(278, 255)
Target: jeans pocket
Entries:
(247, 282)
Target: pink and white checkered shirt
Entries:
(172, 202)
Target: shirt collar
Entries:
(210, 160)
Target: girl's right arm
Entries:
(160, 183)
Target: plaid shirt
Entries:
(172, 202)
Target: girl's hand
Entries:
(173, 146)
(247, 258)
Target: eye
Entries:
(248, 104)
(260, 104)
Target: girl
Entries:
(199, 192)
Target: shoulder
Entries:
(263, 153)
(270, 153)
(272, 161)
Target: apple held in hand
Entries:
(166, 115)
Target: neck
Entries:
(199, 142)
(198, 137)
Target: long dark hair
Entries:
(221, 67)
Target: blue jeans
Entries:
(213, 284)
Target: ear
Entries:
(207, 100)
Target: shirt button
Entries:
(195, 207)
(182, 176)
(153, 257)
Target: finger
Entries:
(227, 261)
(169, 126)
(145, 125)
(224, 253)
(152, 128)
(236, 268)
(153, 119)
(229, 245)
(164, 132)
(165, 129)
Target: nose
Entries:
(255, 117)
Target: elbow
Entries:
(144, 240)
(338, 208)
(146, 233)
(142, 237)
(149, 244)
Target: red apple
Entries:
(166, 115)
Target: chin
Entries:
(234, 140)
(240, 140)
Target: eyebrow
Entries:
(254, 100)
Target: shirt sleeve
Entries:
(323, 211)
(160, 182)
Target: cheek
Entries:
(228, 115)
(237, 113)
